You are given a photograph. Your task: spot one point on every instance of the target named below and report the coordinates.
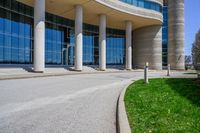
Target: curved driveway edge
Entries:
(122, 119)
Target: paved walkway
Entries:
(73, 104)
(19, 72)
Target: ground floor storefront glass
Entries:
(16, 36)
(90, 44)
(16, 39)
(115, 48)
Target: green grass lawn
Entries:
(164, 106)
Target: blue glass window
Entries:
(115, 47)
(15, 33)
(165, 34)
(54, 44)
(90, 45)
(141, 3)
(145, 4)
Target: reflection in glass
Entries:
(16, 38)
(145, 4)
(165, 34)
(15, 33)
(115, 47)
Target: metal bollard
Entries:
(168, 70)
(146, 69)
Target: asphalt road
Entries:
(71, 104)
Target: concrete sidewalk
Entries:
(19, 73)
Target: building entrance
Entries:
(68, 55)
(65, 56)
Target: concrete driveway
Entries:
(73, 104)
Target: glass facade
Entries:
(59, 40)
(145, 4)
(90, 44)
(165, 34)
(16, 38)
(115, 47)
(16, 32)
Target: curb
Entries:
(122, 119)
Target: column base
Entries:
(37, 71)
(78, 70)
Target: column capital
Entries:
(128, 21)
(102, 15)
(78, 6)
(129, 24)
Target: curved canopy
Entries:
(117, 12)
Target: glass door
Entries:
(65, 56)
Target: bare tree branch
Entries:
(196, 52)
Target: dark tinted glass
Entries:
(165, 35)
(145, 4)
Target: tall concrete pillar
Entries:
(102, 42)
(176, 56)
(128, 45)
(148, 47)
(78, 38)
(39, 36)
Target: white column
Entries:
(102, 42)
(39, 36)
(78, 38)
(128, 45)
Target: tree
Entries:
(196, 52)
(188, 61)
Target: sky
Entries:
(192, 23)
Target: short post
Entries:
(146, 69)
(168, 70)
